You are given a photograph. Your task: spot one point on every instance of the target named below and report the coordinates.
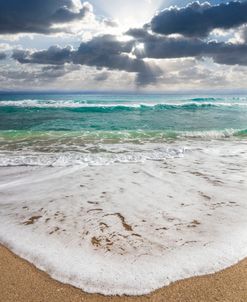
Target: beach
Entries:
(22, 282)
(124, 212)
(141, 226)
(123, 151)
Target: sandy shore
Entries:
(127, 229)
(21, 281)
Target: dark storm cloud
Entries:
(160, 47)
(198, 20)
(230, 54)
(107, 51)
(2, 55)
(54, 55)
(101, 52)
(37, 16)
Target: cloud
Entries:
(39, 16)
(102, 52)
(36, 75)
(244, 34)
(107, 52)
(162, 47)
(193, 73)
(51, 72)
(138, 54)
(54, 55)
(110, 22)
(2, 55)
(198, 20)
(229, 54)
(102, 76)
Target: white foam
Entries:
(32, 103)
(130, 228)
(81, 158)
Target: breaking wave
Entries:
(197, 103)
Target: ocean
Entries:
(69, 127)
(124, 193)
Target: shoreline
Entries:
(22, 281)
(135, 238)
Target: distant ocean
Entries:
(65, 129)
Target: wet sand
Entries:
(20, 281)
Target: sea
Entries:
(95, 128)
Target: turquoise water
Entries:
(121, 112)
(93, 123)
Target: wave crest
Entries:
(196, 103)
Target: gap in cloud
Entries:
(128, 14)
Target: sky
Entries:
(143, 45)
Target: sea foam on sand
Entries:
(130, 228)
